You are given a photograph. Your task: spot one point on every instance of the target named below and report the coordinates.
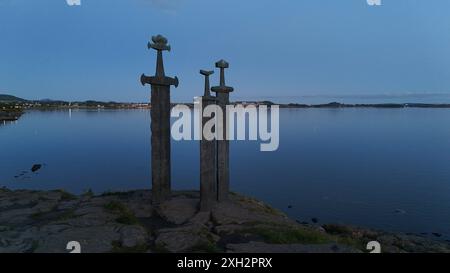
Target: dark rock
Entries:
(314, 220)
(36, 167)
(436, 234)
(400, 211)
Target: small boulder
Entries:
(36, 167)
(132, 236)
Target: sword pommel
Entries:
(159, 43)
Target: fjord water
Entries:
(379, 168)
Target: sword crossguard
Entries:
(159, 43)
(206, 72)
(165, 81)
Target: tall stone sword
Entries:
(223, 146)
(208, 176)
(160, 126)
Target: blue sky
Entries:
(282, 50)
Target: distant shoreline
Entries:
(18, 106)
(11, 107)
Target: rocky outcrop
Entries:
(45, 221)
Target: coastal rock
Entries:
(36, 167)
(92, 239)
(178, 210)
(241, 210)
(202, 218)
(132, 236)
(41, 221)
(259, 247)
(185, 238)
(229, 229)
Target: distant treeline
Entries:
(12, 103)
(343, 105)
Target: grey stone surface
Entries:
(108, 224)
(208, 149)
(160, 123)
(132, 236)
(95, 239)
(260, 247)
(223, 146)
(178, 210)
(185, 238)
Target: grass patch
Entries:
(288, 235)
(37, 215)
(337, 229)
(294, 235)
(115, 193)
(34, 246)
(4, 189)
(40, 214)
(66, 196)
(118, 248)
(126, 217)
(88, 193)
(160, 248)
(66, 215)
(206, 247)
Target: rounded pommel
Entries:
(222, 64)
(206, 72)
(159, 39)
(159, 43)
(143, 79)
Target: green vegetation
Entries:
(66, 196)
(66, 215)
(4, 189)
(299, 235)
(338, 229)
(115, 193)
(206, 247)
(118, 248)
(160, 248)
(37, 215)
(290, 235)
(88, 193)
(40, 214)
(34, 246)
(126, 217)
(10, 98)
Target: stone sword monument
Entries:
(208, 179)
(223, 169)
(160, 123)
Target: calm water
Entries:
(381, 168)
